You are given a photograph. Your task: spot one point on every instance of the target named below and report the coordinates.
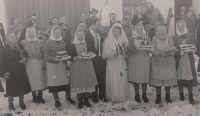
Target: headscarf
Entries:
(27, 36)
(135, 32)
(185, 30)
(52, 36)
(76, 41)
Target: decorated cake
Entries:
(61, 54)
(148, 47)
(187, 47)
(87, 54)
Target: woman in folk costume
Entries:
(185, 62)
(12, 68)
(34, 66)
(83, 80)
(57, 78)
(163, 72)
(139, 63)
(117, 88)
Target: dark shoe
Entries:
(80, 104)
(158, 99)
(21, 104)
(40, 98)
(71, 101)
(168, 99)
(144, 97)
(87, 103)
(105, 100)
(35, 98)
(181, 96)
(95, 98)
(191, 100)
(137, 98)
(11, 105)
(58, 105)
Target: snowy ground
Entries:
(127, 108)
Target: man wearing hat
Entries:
(94, 13)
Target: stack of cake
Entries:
(148, 47)
(187, 48)
(87, 55)
(62, 55)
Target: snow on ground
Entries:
(127, 108)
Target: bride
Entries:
(117, 88)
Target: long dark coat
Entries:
(10, 62)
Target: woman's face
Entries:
(139, 10)
(57, 33)
(12, 38)
(106, 2)
(15, 21)
(81, 26)
(80, 36)
(190, 9)
(31, 33)
(55, 21)
(162, 32)
(181, 27)
(189, 14)
(83, 17)
(116, 33)
(139, 30)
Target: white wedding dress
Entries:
(117, 88)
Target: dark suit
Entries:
(2, 32)
(98, 62)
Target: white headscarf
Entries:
(185, 30)
(136, 34)
(27, 36)
(110, 39)
(76, 41)
(52, 36)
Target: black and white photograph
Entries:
(99, 57)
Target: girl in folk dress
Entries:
(163, 72)
(185, 63)
(34, 66)
(83, 80)
(117, 88)
(106, 10)
(57, 78)
(12, 68)
(139, 63)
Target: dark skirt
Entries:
(59, 88)
(186, 83)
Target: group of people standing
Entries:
(28, 59)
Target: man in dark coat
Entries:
(93, 38)
(94, 13)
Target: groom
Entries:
(94, 38)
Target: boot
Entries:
(144, 97)
(40, 98)
(35, 98)
(137, 98)
(181, 96)
(80, 104)
(69, 99)
(191, 100)
(168, 99)
(11, 105)
(86, 102)
(95, 97)
(58, 105)
(21, 102)
(158, 99)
